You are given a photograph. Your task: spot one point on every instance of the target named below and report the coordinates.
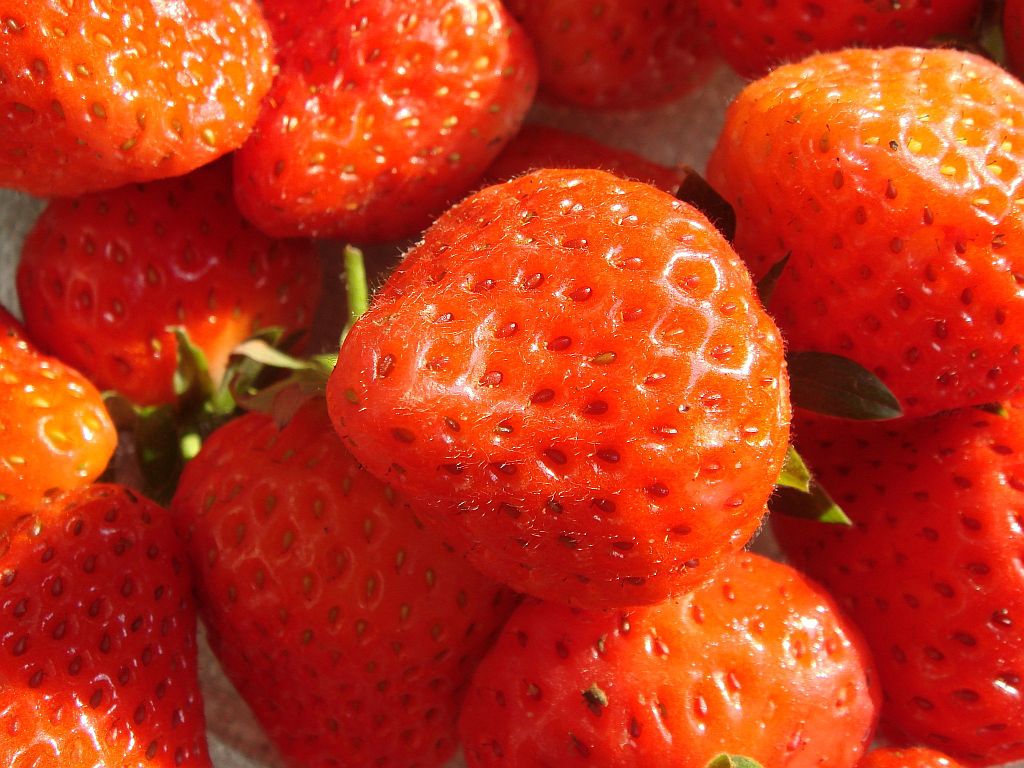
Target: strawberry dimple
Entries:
(562, 388)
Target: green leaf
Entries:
(766, 285)
(996, 409)
(158, 451)
(813, 504)
(794, 473)
(259, 350)
(696, 191)
(192, 372)
(837, 386)
(733, 761)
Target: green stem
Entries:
(357, 292)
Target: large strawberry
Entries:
(755, 35)
(913, 757)
(756, 661)
(572, 376)
(96, 96)
(97, 637)
(55, 432)
(105, 278)
(383, 114)
(349, 629)
(616, 54)
(931, 569)
(892, 180)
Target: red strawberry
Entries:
(572, 376)
(891, 180)
(55, 431)
(103, 278)
(383, 114)
(96, 96)
(914, 757)
(931, 570)
(97, 637)
(1013, 35)
(756, 661)
(348, 629)
(539, 146)
(616, 54)
(755, 35)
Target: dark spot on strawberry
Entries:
(542, 396)
(385, 366)
(511, 510)
(559, 344)
(607, 506)
(506, 331)
(965, 638)
(623, 546)
(484, 285)
(453, 469)
(532, 282)
(581, 748)
(491, 379)
(609, 455)
(603, 358)
(451, 423)
(1001, 619)
(581, 294)
(595, 408)
(403, 435)
(555, 455)
(446, 317)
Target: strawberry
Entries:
(914, 757)
(755, 35)
(96, 96)
(97, 637)
(572, 377)
(103, 278)
(616, 54)
(1013, 35)
(540, 146)
(890, 179)
(756, 660)
(931, 570)
(347, 628)
(55, 431)
(383, 114)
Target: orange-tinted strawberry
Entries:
(616, 54)
(98, 637)
(931, 570)
(756, 661)
(540, 146)
(893, 181)
(383, 114)
(96, 96)
(55, 432)
(912, 757)
(103, 278)
(573, 378)
(348, 628)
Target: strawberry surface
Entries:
(913, 757)
(349, 630)
(97, 637)
(55, 432)
(383, 114)
(103, 278)
(96, 96)
(755, 35)
(931, 570)
(540, 146)
(616, 54)
(756, 661)
(892, 180)
(572, 377)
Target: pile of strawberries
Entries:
(511, 513)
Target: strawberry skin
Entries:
(892, 180)
(914, 757)
(383, 114)
(540, 146)
(572, 377)
(96, 97)
(97, 637)
(103, 277)
(616, 54)
(347, 628)
(755, 661)
(755, 35)
(55, 431)
(931, 570)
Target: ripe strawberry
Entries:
(931, 570)
(890, 179)
(382, 115)
(55, 431)
(97, 637)
(103, 278)
(616, 54)
(756, 35)
(573, 378)
(347, 628)
(540, 146)
(1013, 35)
(914, 757)
(99, 96)
(757, 660)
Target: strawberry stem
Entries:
(357, 291)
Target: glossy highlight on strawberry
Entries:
(572, 377)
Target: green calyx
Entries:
(733, 761)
